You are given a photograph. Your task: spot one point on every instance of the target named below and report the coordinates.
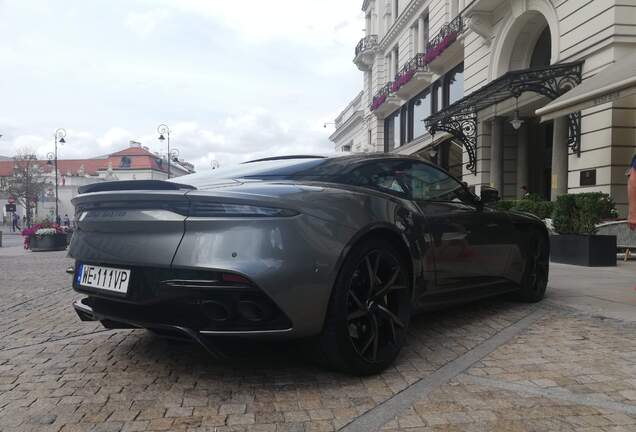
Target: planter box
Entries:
(584, 250)
(47, 243)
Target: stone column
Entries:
(496, 155)
(522, 158)
(559, 158)
(392, 69)
(421, 36)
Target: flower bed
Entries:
(431, 54)
(404, 78)
(378, 101)
(434, 52)
(45, 236)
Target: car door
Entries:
(384, 175)
(470, 242)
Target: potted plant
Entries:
(45, 236)
(575, 218)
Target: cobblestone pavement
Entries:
(560, 371)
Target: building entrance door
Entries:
(540, 158)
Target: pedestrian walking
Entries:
(14, 225)
(58, 220)
(67, 221)
(525, 193)
(631, 194)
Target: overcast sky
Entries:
(233, 79)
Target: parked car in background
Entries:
(341, 250)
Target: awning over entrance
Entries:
(612, 83)
(460, 118)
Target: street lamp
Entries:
(164, 135)
(60, 134)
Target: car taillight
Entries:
(213, 209)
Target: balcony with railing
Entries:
(365, 52)
(444, 43)
(385, 101)
(417, 73)
(414, 76)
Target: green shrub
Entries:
(505, 204)
(533, 204)
(580, 213)
(541, 209)
(545, 209)
(564, 216)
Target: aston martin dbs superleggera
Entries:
(340, 251)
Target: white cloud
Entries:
(237, 138)
(302, 21)
(234, 80)
(145, 23)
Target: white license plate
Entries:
(105, 278)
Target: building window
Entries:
(369, 138)
(392, 131)
(425, 31)
(125, 162)
(420, 109)
(346, 148)
(437, 95)
(454, 84)
(454, 6)
(396, 61)
(407, 123)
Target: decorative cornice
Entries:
(355, 118)
(355, 101)
(398, 26)
(481, 23)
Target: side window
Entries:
(384, 176)
(427, 183)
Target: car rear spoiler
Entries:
(132, 185)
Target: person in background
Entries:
(67, 221)
(631, 194)
(525, 193)
(58, 220)
(14, 225)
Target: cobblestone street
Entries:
(494, 365)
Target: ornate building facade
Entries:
(459, 82)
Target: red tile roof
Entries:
(140, 158)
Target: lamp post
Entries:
(60, 134)
(164, 135)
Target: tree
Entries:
(27, 182)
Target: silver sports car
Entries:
(340, 251)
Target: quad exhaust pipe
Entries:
(249, 310)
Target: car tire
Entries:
(368, 317)
(535, 278)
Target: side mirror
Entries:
(489, 195)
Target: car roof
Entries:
(344, 156)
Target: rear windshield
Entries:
(279, 169)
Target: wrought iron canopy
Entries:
(460, 118)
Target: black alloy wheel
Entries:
(374, 320)
(369, 310)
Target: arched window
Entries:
(542, 50)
